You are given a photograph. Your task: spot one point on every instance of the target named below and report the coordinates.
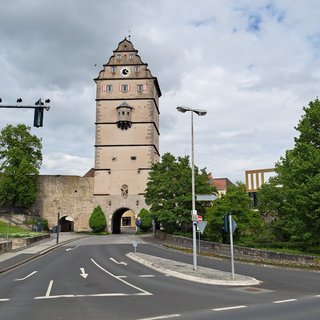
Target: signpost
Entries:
(135, 244)
(230, 227)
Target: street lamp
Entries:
(194, 215)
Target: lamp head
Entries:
(201, 112)
(182, 109)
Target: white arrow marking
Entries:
(26, 277)
(83, 274)
(70, 249)
(118, 262)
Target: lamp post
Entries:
(194, 216)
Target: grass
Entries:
(14, 231)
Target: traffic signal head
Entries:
(38, 117)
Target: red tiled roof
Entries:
(89, 174)
(221, 183)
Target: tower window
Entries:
(107, 88)
(141, 87)
(124, 88)
(113, 69)
(133, 158)
(136, 68)
(118, 56)
(131, 56)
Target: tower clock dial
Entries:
(125, 72)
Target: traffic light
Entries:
(226, 223)
(38, 117)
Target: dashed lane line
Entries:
(285, 301)
(167, 316)
(229, 308)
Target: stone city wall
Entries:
(262, 256)
(70, 195)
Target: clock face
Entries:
(125, 72)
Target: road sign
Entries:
(206, 197)
(138, 222)
(202, 225)
(135, 244)
(199, 218)
(234, 226)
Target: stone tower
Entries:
(127, 133)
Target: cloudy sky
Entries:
(252, 65)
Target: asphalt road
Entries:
(93, 279)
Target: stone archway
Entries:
(117, 222)
(66, 224)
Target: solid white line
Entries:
(285, 301)
(122, 277)
(49, 288)
(26, 277)
(83, 295)
(168, 316)
(229, 308)
(91, 295)
(146, 276)
(123, 281)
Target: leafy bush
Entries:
(97, 221)
(146, 220)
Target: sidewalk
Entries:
(11, 260)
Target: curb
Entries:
(248, 281)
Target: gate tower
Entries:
(127, 133)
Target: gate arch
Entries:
(66, 224)
(116, 219)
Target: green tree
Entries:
(146, 220)
(168, 192)
(20, 161)
(97, 221)
(237, 202)
(298, 174)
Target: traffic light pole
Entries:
(38, 111)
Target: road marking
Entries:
(49, 289)
(122, 277)
(167, 316)
(1, 300)
(285, 301)
(229, 308)
(146, 276)
(118, 262)
(125, 282)
(26, 277)
(83, 274)
(70, 249)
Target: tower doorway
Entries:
(123, 220)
